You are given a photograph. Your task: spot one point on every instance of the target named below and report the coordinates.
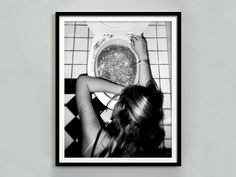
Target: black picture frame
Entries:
(60, 61)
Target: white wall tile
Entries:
(167, 131)
(163, 57)
(81, 23)
(79, 69)
(167, 116)
(69, 22)
(81, 31)
(154, 71)
(162, 43)
(80, 44)
(152, 44)
(80, 57)
(165, 85)
(68, 57)
(167, 101)
(152, 23)
(69, 43)
(150, 31)
(69, 30)
(168, 143)
(91, 33)
(90, 43)
(157, 82)
(161, 31)
(164, 71)
(67, 71)
(153, 57)
(161, 23)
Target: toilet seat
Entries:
(103, 33)
(117, 28)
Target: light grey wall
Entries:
(27, 71)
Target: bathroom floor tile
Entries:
(93, 95)
(73, 128)
(73, 150)
(68, 97)
(106, 115)
(69, 116)
(72, 106)
(98, 106)
(70, 85)
(68, 140)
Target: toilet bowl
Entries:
(111, 56)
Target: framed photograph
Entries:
(118, 88)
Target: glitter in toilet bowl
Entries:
(117, 63)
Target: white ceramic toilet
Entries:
(107, 36)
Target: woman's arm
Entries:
(139, 45)
(89, 121)
(96, 84)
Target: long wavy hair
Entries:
(135, 129)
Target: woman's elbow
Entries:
(81, 82)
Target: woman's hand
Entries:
(139, 45)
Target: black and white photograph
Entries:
(118, 94)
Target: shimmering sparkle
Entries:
(117, 63)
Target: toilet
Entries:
(111, 56)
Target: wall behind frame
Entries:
(27, 67)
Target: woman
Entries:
(135, 129)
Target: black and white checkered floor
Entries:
(73, 128)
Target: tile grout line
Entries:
(162, 123)
(88, 51)
(170, 69)
(73, 51)
(169, 39)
